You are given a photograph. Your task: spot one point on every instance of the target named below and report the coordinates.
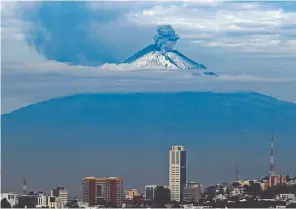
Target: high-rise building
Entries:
(114, 191)
(96, 191)
(93, 190)
(177, 176)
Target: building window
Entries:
(173, 157)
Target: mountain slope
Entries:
(151, 57)
(209, 111)
(161, 54)
(128, 135)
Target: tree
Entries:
(273, 191)
(110, 205)
(292, 205)
(228, 190)
(72, 204)
(5, 203)
(235, 184)
(28, 201)
(253, 189)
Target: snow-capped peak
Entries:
(162, 55)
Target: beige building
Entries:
(177, 172)
(129, 194)
(54, 202)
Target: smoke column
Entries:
(165, 38)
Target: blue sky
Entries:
(52, 49)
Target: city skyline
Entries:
(111, 192)
(175, 174)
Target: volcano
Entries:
(161, 54)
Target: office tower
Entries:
(177, 176)
(98, 191)
(114, 191)
(93, 191)
(192, 192)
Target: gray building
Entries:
(150, 191)
(192, 192)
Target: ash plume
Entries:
(165, 38)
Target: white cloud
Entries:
(252, 78)
(245, 27)
(130, 71)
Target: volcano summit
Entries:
(161, 54)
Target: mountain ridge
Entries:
(153, 92)
(226, 112)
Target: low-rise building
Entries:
(237, 191)
(162, 196)
(286, 197)
(192, 192)
(54, 202)
(264, 184)
(42, 201)
(11, 198)
(275, 180)
(130, 194)
(220, 197)
(61, 193)
(150, 191)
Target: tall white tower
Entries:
(177, 178)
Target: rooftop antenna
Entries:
(25, 189)
(236, 171)
(271, 159)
